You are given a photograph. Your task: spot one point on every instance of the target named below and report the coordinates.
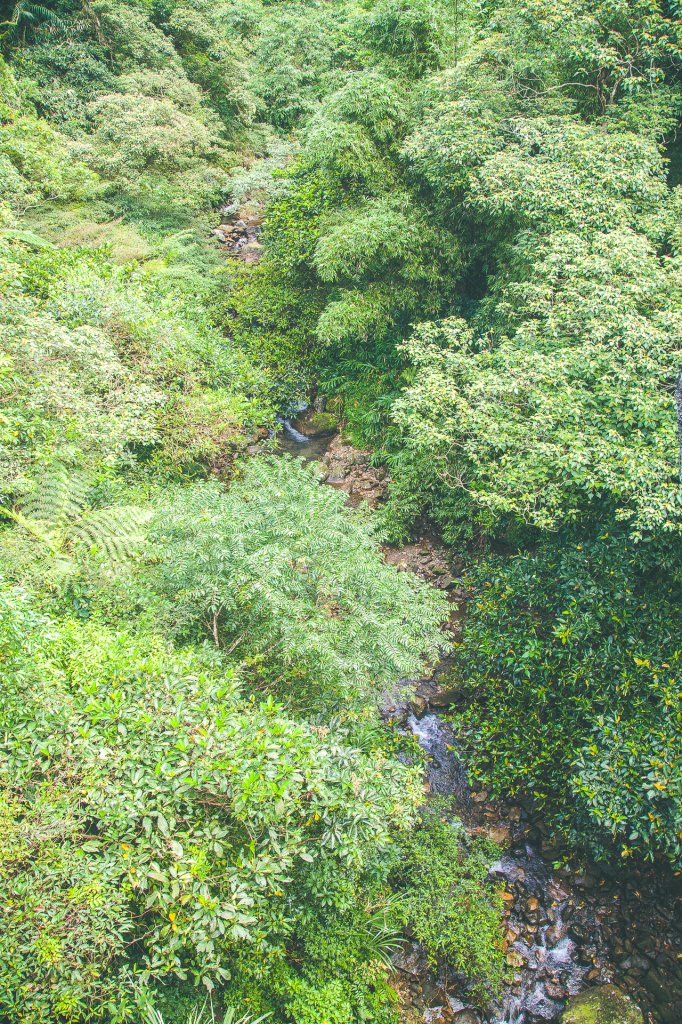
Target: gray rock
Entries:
(466, 1017)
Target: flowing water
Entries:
(565, 929)
(293, 442)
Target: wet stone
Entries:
(467, 1016)
(540, 1006)
(515, 959)
(500, 834)
(555, 933)
(555, 990)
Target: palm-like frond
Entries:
(383, 935)
(198, 1014)
(29, 237)
(31, 14)
(118, 532)
(55, 513)
(58, 496)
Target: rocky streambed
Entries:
(583, 945)
(567, 929)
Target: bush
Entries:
(278, 564)
(450, 904)
(158, 819)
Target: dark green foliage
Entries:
(450, 904)
(412, 36)
(25, 17)
(571, 662)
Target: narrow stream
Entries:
(565, 929)
(548, 964)
(293, 442)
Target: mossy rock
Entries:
(316, 424)
(603, 1005)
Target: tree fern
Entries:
(59, 495)
(118, 532)
(28, 14)
(55, 514)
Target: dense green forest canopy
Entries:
(471, 242)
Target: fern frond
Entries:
(58, 496)
(37, 13)
(29, 237)
(118, 532)
(33, 14)
(38, 530)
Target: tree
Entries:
(276, 563)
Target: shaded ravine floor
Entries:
(565, 929)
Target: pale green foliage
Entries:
(65, 921)
(361, 247)
(297, 60)
(36, 162)
(359, 314)
(208, 38)
(167, 822)
(276, 563)
(539, 172)
(545, 177)
(93, 353)
(574, 405)
(230, 813)
(206, 429)
(345, 149)
(134, 40)
(68, 393)
(149, 146)
(555, 400)
(55, 522)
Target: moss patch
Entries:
(316, 424)
(603, 1005)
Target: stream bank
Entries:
(568, 928)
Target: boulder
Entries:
(466, 1016)
(603, 1005)
(316, 424)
